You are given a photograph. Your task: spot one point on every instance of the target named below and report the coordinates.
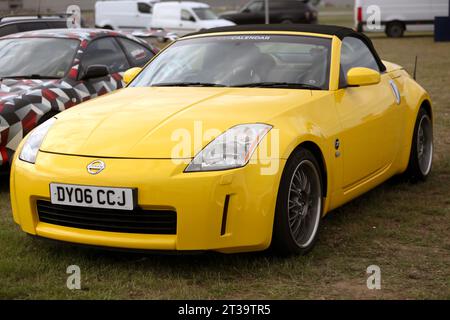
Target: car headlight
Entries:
(31, 146)
(232, 149)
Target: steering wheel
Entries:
(240, 72)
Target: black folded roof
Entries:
(340, 32)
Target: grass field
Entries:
(403, 228)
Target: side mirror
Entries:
(96, 71)
(130, 74)
(192, 19)
(362, 77)
(246, 10)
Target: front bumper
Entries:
(197, 198)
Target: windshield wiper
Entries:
(30, 76)
(187, 84)
(278, 85)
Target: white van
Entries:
(182, 17)
(398, 16)
(124, 15)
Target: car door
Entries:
(127, 16)
(144, 17)
(252, 14)
(370, 117)
(104, 51)
(188, 22)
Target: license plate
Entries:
(93, 197)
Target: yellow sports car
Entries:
(231, 139)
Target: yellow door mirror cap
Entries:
(130, 74)
(362, 77)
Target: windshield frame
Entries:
(331, 68)
(74, 56)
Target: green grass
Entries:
(403, 228)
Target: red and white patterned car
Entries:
(45, 72)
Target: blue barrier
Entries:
(442, 27)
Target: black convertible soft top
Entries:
(338, 31)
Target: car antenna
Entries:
(415, 69)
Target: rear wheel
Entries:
(395, 29)
(421, 157)
(299, 205)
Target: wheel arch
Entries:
(394, 20)
(318, 154)
(105, 24)
(415, 101)
(426, 104)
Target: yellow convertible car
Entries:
(231, 139)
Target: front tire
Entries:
(421, 157)
(299, 205)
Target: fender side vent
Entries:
(225, 215)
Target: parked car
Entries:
(398, 16)
(124, 15)
(182, 17)
(45, 72)
(20, 23)
(281, 11)
(160, 35)
(232, 142)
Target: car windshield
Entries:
(269, 61)
(36, 58)
(205, 14)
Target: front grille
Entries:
(136, 221)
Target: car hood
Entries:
(151, 122)
(216, 23)
(12, 88)
(228, 14)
